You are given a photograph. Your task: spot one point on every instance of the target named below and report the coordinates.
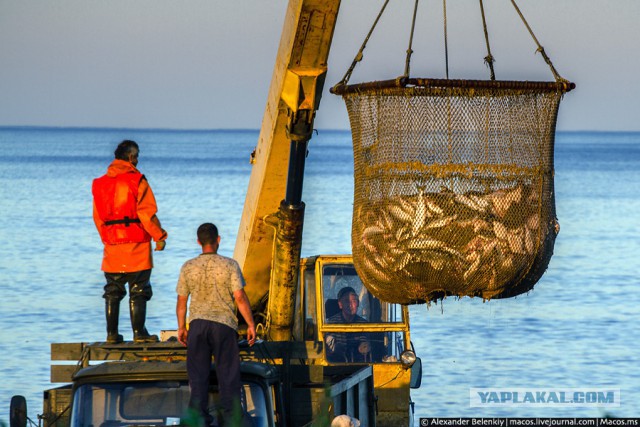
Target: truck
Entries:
(148, 385)
(290, 378)
(284, 383)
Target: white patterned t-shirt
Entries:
(210, 280)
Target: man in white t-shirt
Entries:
(214, 283)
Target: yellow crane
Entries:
(459, 152)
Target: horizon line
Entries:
(161, 129)
(143, 129)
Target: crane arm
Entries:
(273, 205)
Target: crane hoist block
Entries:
(302, 88)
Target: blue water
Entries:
(578, 328)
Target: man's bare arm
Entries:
(242, 301)
(181, 314)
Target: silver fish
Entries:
(420, 215)
(464, 200)
(439, 223)
(500, 230)
(432, 206)
(406, 206)
(516, 243)
(370, 233)
(399, 214)
(473, 267)
(533, 222)
(529, 244)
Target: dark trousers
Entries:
(139, 286)
(207, 338)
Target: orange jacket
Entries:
(134, 256)
(116, 200)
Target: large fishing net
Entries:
(453, 191)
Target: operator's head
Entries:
(127, 150)
(348, 302)
(208, 235)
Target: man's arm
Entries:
(96, 218)
(181, 314)
(147, 209)
(336, 347)
(242, 301)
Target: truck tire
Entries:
(18, 412)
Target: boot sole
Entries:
(118, 340)
(142, 340)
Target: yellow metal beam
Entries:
(296, 84)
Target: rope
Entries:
(53, 421)
(341, 87)
(540, 48)
(409, 50)
(446, 42)
(359, 55)
(489, 58)
(83, 361)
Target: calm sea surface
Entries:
(578, 328)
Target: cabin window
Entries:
(310, 314)
(336, 277)
(364, 347)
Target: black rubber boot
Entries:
(112, 313)
(138, 309)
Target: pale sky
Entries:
(207, 64)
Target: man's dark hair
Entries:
(207, 234)
(125, 149)
(346, 291)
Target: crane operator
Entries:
(347, 346)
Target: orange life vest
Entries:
(116, 200)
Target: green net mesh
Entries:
(453, 191)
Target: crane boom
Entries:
(273, 202)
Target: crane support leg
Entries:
(288, 238)
(284, 278)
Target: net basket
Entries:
(453, 186)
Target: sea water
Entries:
(578, 328)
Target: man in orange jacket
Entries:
(124, 211)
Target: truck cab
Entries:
(382, 326)
(146, 384)
(133, 384)
(153, 393)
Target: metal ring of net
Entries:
(453, 186)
